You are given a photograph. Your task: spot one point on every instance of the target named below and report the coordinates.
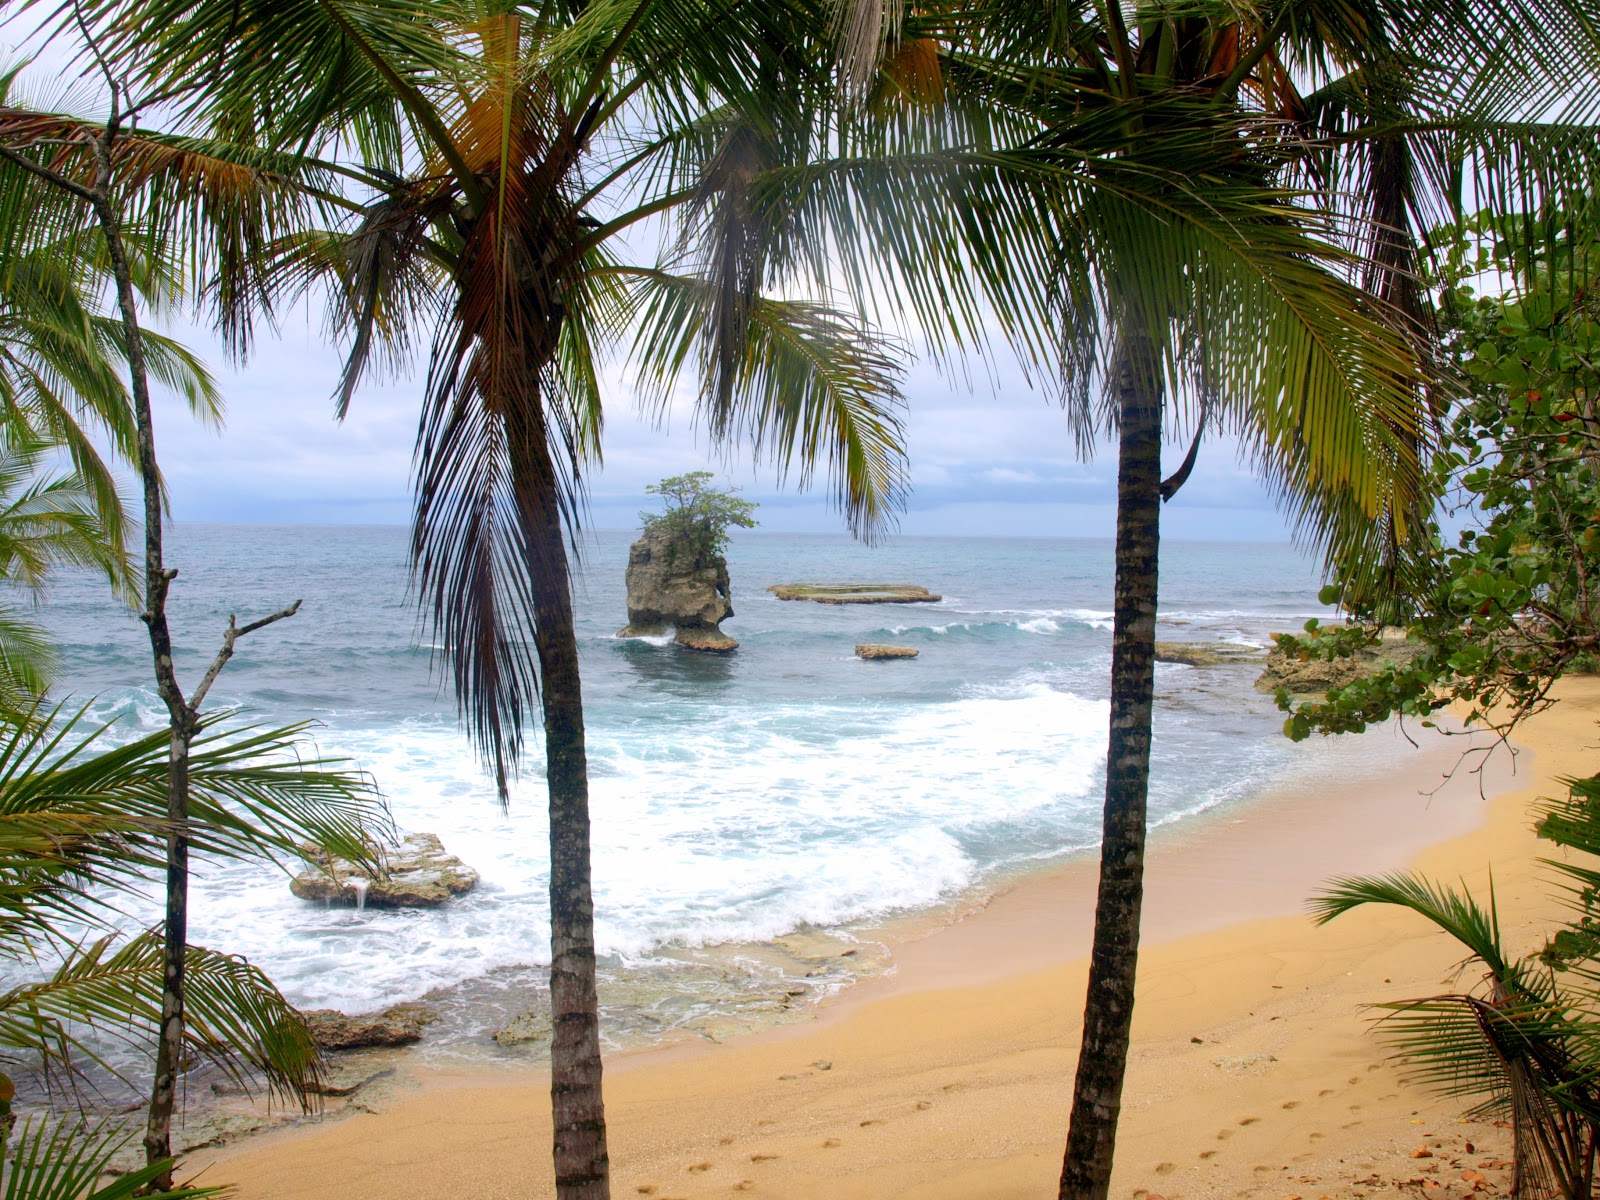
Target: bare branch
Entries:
(51, 177)
(233, 633)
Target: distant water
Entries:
(735, 799)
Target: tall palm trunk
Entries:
(582, 1166)
(1108, 1011)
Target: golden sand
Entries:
(1253, 1073)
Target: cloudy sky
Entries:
(988, 455)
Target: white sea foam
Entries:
(741, 826)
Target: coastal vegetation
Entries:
(1191, 221)
(696, 517)
(1499, 609)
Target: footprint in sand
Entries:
(762, 1157)
(1290, 1104)
(924, 1105)
(695, 1168)
(646, 1189)
(831, 1143)
(1317, 1137)
(744, 1185)
(1249, 1120)
(871, 1121)
(1166, 1168)
(727, 1141)
(1204, 1154)
(1325, 1092)
(1225, 1134)
(1259, 1168)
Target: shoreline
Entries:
(952, 1075)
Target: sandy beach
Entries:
(1254, 1072)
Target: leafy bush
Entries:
(697, 516)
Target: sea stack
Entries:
(670, 586)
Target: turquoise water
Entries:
(785, 787)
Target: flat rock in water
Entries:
(397, 1026)
(855, 593)
(1204, 654)
(870, 650)
(705, 638)
(419, 874)
(531, 1026)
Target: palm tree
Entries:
(492, 160)
(146, 204)
(1523, 1041)
(1296, 319)
(82, 824)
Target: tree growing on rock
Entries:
(697, 516)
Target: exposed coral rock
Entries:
(870, 650)
(418, 874)
(670, 587)
(1311, 676)
(397, 1026)
(531, 1026)
(855, 593)
(1204, 654)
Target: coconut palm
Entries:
(83, 825)
(1523, 1040)
(209, 208)
(1297, 323)
(493, 161)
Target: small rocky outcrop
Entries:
(418, 873)
(397, 1026)
(1202, 654)
(872, 650)
(856, 593)
(1313, 676)
(531, 1026)
(672, 587)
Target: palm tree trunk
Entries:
(583, 1170)
(1108, 1010)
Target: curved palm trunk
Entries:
(576, 1104)
(1108, 1011)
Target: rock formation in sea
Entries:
(418, 873)
(670, 586)
(872, 650)
(1312, 676)
(1205, 654)
(856, 593)
(397, 1026)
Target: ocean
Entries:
(753, 814)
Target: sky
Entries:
(989, 454)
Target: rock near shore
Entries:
(1204, 654)
(669, 587)
(1313, 676)
(418, 873)
(397, 1026)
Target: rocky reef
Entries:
(672, 587)
(397, 1026)
(418, 873)
(855, 593)
(1313, 676)
(1205, 654)
(872, 650)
